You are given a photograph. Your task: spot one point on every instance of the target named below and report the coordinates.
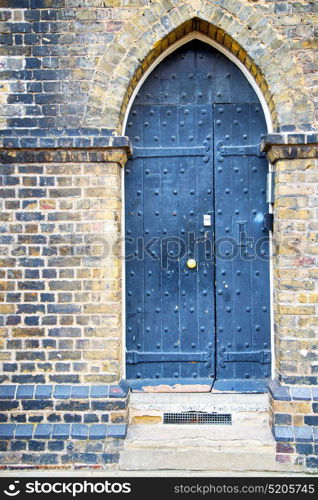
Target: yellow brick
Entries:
(285, 213)
(295, 310)
(291, 407)
(312, 249)
(292, 248)
(147, 419)
(112, 330)
(7, 308)
(287, 273)
(295, 285)
(47, 204)
(109, 367)
(293, 189)
(106, 378)
(313, 321)
(5, 356)
(118, 417)
(28, 332)
(4, 87)
(298, 420)
(101, 354)
(303, 298)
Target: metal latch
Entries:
(268, 222)
(207, 220)
(135, 357)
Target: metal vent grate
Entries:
(197, 417)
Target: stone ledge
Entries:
(57, 132)
(78, 391)
(295, 434)
(290, 146)
(289, 138)
(292, 393)
(65, 142)
(62, 431)
(65, 155)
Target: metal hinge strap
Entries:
(263, 357)
(134, 357)
(250, 150)
(268, 223)
(167, 152)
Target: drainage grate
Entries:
(197, 417)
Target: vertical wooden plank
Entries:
(260, 274)
(224, 247)
(152, 232)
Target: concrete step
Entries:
(246, 445)
(245, 408)
(200, 447)
(213, 436)
(201, 460)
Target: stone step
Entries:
(244, 408)
(201, 459)
(200, 447)
(246, 445)
(168, 436)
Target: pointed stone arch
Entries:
(241, 31)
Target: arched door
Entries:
(197, 268)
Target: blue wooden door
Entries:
(183, 194)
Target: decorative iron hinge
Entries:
(263, 357)
(250, 150)
(166, 152)
(135, 357)
(209, 355)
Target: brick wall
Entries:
(295, 262)
(294, 418)
(294, 394)
(296, 286)
(60, 298)
(46, 426)
(70, 63)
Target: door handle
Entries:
(191, 263)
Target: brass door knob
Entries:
(191, 263)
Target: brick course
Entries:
(293, 415)
(82, 425)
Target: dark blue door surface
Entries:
(197, 270)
